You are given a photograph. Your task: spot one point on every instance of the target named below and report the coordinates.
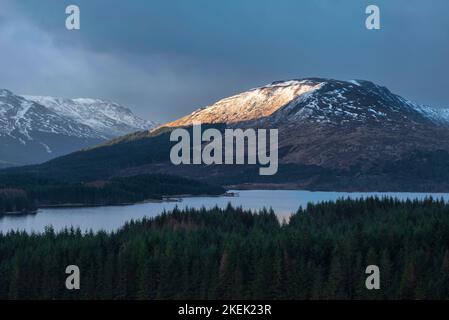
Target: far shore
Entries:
(174, 198)
(18, 213)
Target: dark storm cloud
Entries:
(165, 58)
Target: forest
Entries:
(231, 253)
(24, 193)
(15, 201)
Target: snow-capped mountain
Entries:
(253, 104)
(36, 129)
(109, 119)
(332, 123)
(313, 100)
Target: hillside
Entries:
(333, 135)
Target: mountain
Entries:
(250, 105)
(318, 100)
(36, 129)
(108, 119)
(331, 123)
(333, 135)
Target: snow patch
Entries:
(46, 147)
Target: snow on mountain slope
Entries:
(314, 100)
(439, 115)
(250, 105)
(36, 129)
(20, 117)
(332, 123)
(108, 118)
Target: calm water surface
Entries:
(284, 203)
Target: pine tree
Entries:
(386, 269)
(335, 285)
(408, 281)
(444, 277)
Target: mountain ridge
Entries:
(297, 89)
(35, 129)
(106, 117)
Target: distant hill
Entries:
(36, 129)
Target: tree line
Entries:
(14, 201)
(23, 193)
(230, 253)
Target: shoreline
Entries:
(296, 187)
(179, 198)
(175, 198)
(18, 213)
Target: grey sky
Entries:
(167, 58)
